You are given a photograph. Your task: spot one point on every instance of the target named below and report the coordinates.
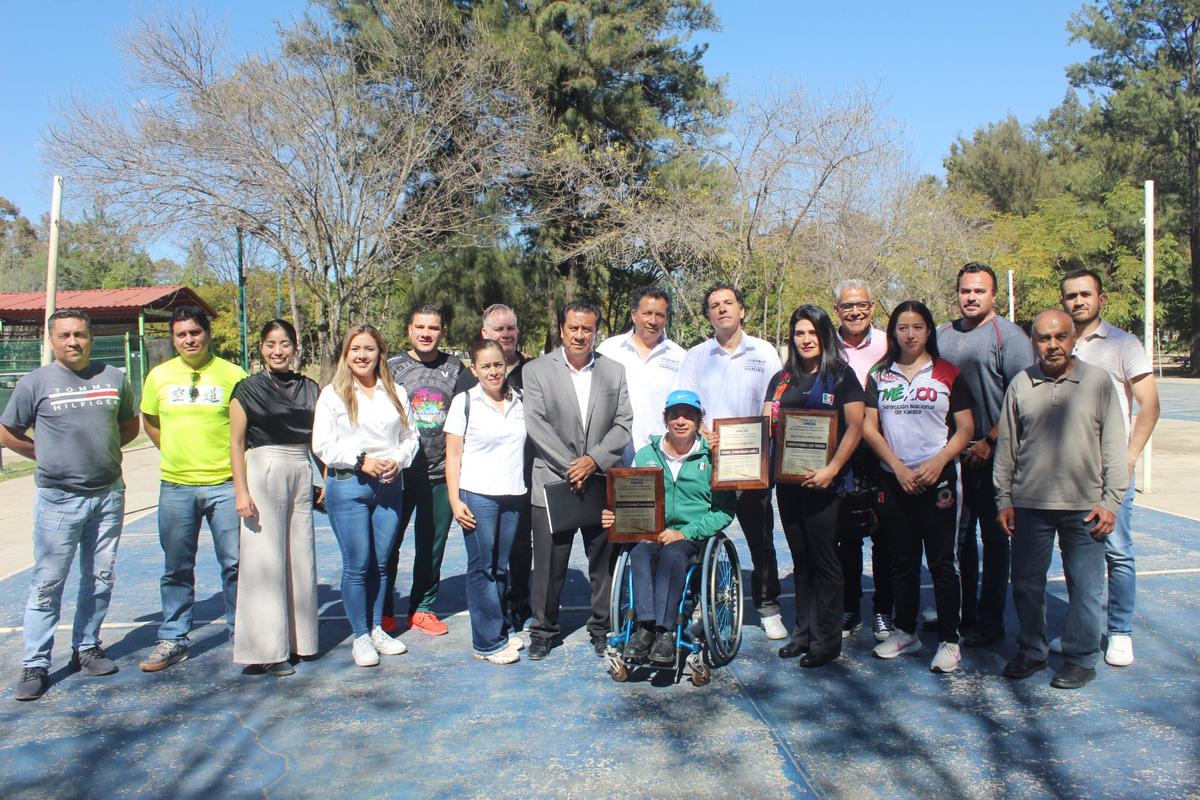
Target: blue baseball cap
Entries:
(684, 397)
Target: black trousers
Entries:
(860, 518)
(979, 507)
(520, 566)
(551, 554)
(850, 553)
(810, 521)
(757, 518)
(927, 520)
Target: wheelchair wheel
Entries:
(621, 595)
(618, 669)
(721, 601)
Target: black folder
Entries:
(569, 511)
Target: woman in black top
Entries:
(271, 419)
(816, 376)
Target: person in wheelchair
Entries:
(694, 513)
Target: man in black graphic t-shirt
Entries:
(428, 376)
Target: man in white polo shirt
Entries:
(651, 362)
(1123, 356)
(864, 345)
(730, 372)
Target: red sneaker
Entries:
(427, 622)
(388, 624)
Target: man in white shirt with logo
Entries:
(864, 345)
(730, 372)
(651, 362)
(1123, 356)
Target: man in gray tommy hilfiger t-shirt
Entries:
(989, 352)
(81, 414)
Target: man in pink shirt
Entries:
(863, 345)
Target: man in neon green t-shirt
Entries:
(185, 411)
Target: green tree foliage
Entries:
(1147, 73)
(96, 253)
(18, 242)
(1004, 163)
(616, 75)
(465, 281)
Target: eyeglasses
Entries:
(862, 305)
(195, 390)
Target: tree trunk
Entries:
(302, 355)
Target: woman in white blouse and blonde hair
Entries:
(362, 432)
(485, 478)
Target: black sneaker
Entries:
(851, 623)
(639, 645)
(92, 661)
(1072, 676)
(33, 684)
(663, 651)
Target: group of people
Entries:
(939, 430)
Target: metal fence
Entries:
(19, 356)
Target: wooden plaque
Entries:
(805, 441)
(635, 496)
(742, 456)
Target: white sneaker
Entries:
(516, 643)
(385, 644)
(946, 658)
(1120, 650)
(365, 654)
(1056, 644)
(897, 644)
(773, 625)
(508, 655)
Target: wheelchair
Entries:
(708, 627)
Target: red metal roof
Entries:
(25, 306)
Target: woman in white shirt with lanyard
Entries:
(363, 435)
(485, 478)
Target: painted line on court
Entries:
(1164, 511)
(130, 518)
(789, 756)
(464, 613)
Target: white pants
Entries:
(277, 576)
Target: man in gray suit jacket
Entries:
(577, 415)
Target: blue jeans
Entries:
(1083, 563)
(658, 578)
(1122, 573)
(180, 511)
(365, 517)
(488, 546)
(64, 521)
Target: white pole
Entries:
(1012, 301)
(1148, 317)
(52, 266)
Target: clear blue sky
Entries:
(943, 69)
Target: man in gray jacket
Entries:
(1060, 469)
(577, 415)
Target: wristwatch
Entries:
(358, 463)
(991, 440)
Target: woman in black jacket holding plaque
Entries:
(809, 487)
